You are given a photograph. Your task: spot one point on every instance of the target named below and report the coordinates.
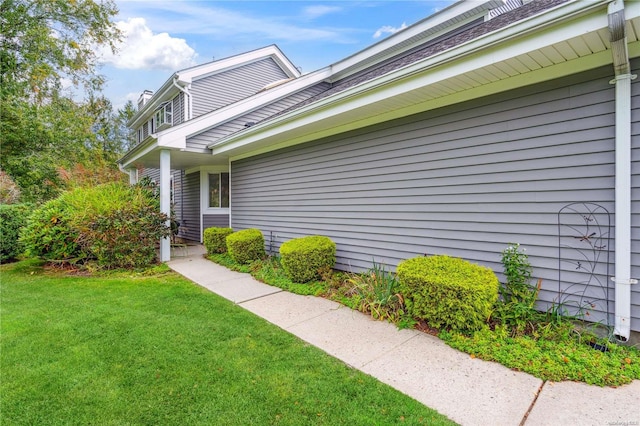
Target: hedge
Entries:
(303, 258)
(13, 217)
(246, 246)
(448, 292)
(215, 239)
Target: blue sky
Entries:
(166, 36)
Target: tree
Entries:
(44, 46)
(46, 41)
(125, 114)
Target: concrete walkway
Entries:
(467, 390)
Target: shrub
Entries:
(517, 305)
(448, 292)
(517, 271)
(215, 239)
(49, 233)
(246, 246)
(119, 225)
(12, 218)
(125, 238)
(116, 224)
(303, 258)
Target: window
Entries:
(219, 190)
(140, 137)
(164, 115)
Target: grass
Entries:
(152, 348)
(555, 351)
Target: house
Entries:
(485, 124)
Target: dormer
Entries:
(198, 90)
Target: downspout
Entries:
(622, 80)
(187, 103)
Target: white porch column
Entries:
(165, 200)
(133, 176)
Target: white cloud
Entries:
(388, 29)
(313, 12)
(142, 49)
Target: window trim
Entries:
(204, 190)
(220, 192)
(164, 115)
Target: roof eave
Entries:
(300, 117)
(428, 27)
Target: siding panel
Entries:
(216, 220)
(224, 88)
(190, 224)
(464, 180)
(201, 141)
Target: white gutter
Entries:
(176, 135)
(187, 105)
(464, 57)
(622, 80)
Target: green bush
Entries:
(109, 237)
(246, 246)
(12, 218)
(215, 239)
(115, 224)
(49, 234)
(448, 292)
(303, 258)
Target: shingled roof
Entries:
(432, 48)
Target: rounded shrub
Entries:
(215, 239)
(448, 292)
(303, 258)
(49, 233)
(246, 246)
(13, 217)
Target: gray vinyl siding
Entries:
(224, 88)
(201, 141)
(464, 181)
(153, 174)
(178, 109)
(635, 199)
(215, 220)
(190, 209)
(178, 193)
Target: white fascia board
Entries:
(220, 65)
(187, 75)
(139, 151)
(176, 136)
(631, 10)
(527, 36)
(432, 24)
(165, 93)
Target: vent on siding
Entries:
(508, 6)
(275, 84)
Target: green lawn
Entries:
(156, 349)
